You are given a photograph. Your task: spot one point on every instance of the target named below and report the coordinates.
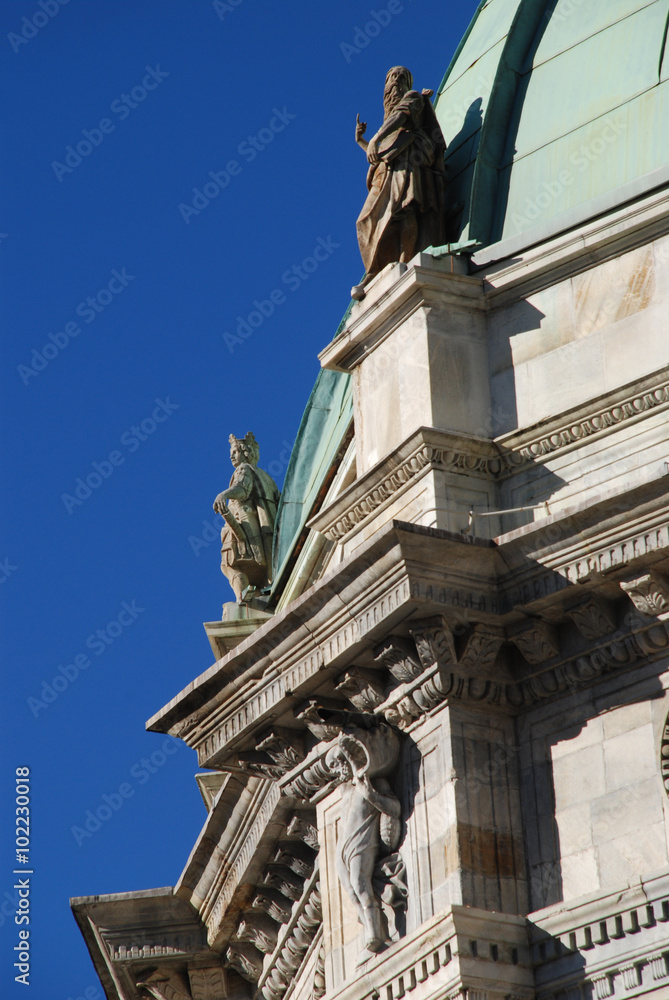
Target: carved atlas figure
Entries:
(370, 828)
(406, 180)
(249, 507)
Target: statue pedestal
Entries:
(239, 621)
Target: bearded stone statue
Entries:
(406, 180)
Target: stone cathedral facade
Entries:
(437, 748)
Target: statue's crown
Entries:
(248, 444)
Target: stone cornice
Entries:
(614, 936)
(426, 450)
(576, 250)
(406, 574)
(450, 955)
(348, 610)
(592, 420)
(430, 450)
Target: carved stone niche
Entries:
(649, 592)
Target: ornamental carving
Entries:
(649, 593)
(277, 753)
(664, 755)
(398, 656)
(368, 867)
(537, 642)
(365, 689)
(434, 643)
(166, 985)
(294, 948)
(594, 618)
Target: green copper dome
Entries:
(554, 111)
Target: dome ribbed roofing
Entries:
(554, 111)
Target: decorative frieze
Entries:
(577, 432)
(631, 976)
(425, 457)
(603, 986)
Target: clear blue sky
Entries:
(116, 301)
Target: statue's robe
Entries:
(410, 177)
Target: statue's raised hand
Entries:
(360, 128)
